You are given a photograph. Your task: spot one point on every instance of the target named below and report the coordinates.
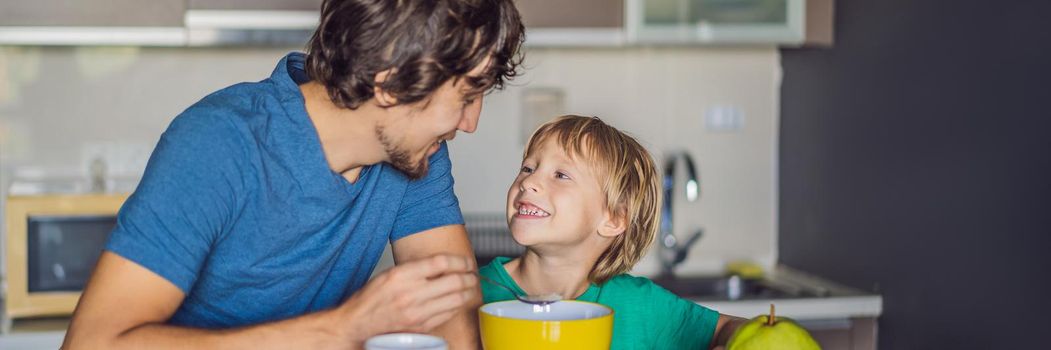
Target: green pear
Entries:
(771, 333)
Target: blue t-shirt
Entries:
(239, 208)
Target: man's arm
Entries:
(125, 306)
(461, 331)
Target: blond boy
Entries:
(585, 205)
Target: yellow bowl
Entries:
(567, 324)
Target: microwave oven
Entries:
(52, 244)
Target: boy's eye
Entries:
(561, 175)
(526, 169)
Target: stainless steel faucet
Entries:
(672, 250)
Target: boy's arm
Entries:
(724, 329)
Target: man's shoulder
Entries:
(238, 99)
(230, 111)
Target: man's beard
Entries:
(401, 159)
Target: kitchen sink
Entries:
(734, 288)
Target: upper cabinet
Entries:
(573, 22)
(717, 21)
(676, 22)
(819, 21)
(92, 22)
(257, 5)
(253, 14)
(577, 23)
(251, 22)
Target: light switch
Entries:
(539, 105)
(126, 158)
(723, 118)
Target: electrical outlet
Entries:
(723, 118)
(132, 157)
(121, 159)
(91, 151)
(539, 105)
(15, 140)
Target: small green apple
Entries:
(771, 333)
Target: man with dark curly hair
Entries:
(265, 206)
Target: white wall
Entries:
(59, 104)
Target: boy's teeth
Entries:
(525, 211)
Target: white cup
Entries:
(400, 341)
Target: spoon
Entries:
(540, 300)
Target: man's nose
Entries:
(469, 122)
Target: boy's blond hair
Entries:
(628, 177)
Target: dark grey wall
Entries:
(916, 161)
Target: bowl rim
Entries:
(483, 313)
(378, 340)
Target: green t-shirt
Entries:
(645, 315)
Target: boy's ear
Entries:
(383, 98)
(614, 224)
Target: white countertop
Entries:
(32, 340)
(803, 308)
(843, 302)
(29, 334)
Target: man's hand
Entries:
(461, 331)
(415, 296)
(125, 306)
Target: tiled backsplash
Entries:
(59, 107)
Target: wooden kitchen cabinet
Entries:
(92, 13)
(571, 13)
(565, 23)
(251, 22)
(253, 14)
(573, 23)
(92, 22)
(820, 18)
(256, 5)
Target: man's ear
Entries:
(383, 98)
(614, 223)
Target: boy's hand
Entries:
(724, 329)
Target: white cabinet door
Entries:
(571, 13)
(717, 21)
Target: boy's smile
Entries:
(527, 210)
